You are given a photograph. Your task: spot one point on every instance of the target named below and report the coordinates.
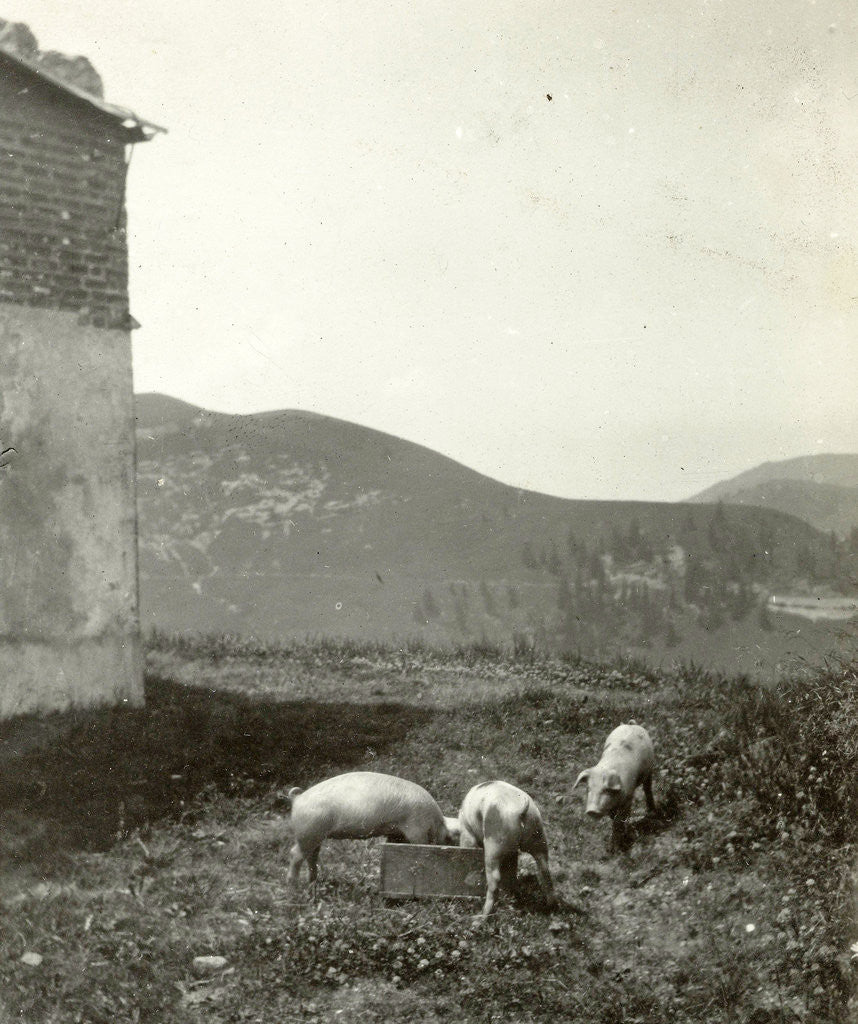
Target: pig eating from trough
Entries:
(359, 805)
(626, 763)
(503, 820)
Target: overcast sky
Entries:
(597, 250)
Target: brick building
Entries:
(69, 633)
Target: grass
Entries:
(144, 838)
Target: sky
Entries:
(600, 251)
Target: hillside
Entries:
(151, 836)
(289, 524)
(821, 489)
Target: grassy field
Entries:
(144, 838)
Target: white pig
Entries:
(359, 805)
(503, 820)
(626, 763)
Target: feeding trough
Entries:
(411, 869)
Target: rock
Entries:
(17, 39)
(204, 994)
(208, 964)
(32, 959)
(75, 71)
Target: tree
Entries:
(718, 531)
(553, 563)
(564, 594)
(596, 569)
(712, 618)
(426, 609)
(488, 598)
(695, 579)
(460, 612)
(430, 605)
(742, 602)
(671, 634)
(650, 612)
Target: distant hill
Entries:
(288, 524)
(821, 489)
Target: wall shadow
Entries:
(99, 775)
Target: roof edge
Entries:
(138, 129)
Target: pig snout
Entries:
(593, 808)
(452, 831)
(601, 802)
(604, 791)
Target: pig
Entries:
(626, 763)
(503, 820)
(359, 805)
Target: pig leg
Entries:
(539, 852)
(467, 839)
(296, 859)
(619, 830)
(544, 876)
(313, 865)
(509, 872)
(301, 853)
(647, 788)
(493, 879)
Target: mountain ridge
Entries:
(284, 524)
(821, 489)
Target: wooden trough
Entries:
(412, 870)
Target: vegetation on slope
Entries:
(145, 838)
(287, 524)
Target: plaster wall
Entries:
(68, 555)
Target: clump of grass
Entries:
(797, 744)
(409, 653)
(785, 760)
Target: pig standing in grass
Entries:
(359, 805)
(503, 820)
(626, 763)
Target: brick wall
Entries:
(69, 633)
(62, 218)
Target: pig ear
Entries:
(583, 777)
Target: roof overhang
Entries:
(134, 127)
